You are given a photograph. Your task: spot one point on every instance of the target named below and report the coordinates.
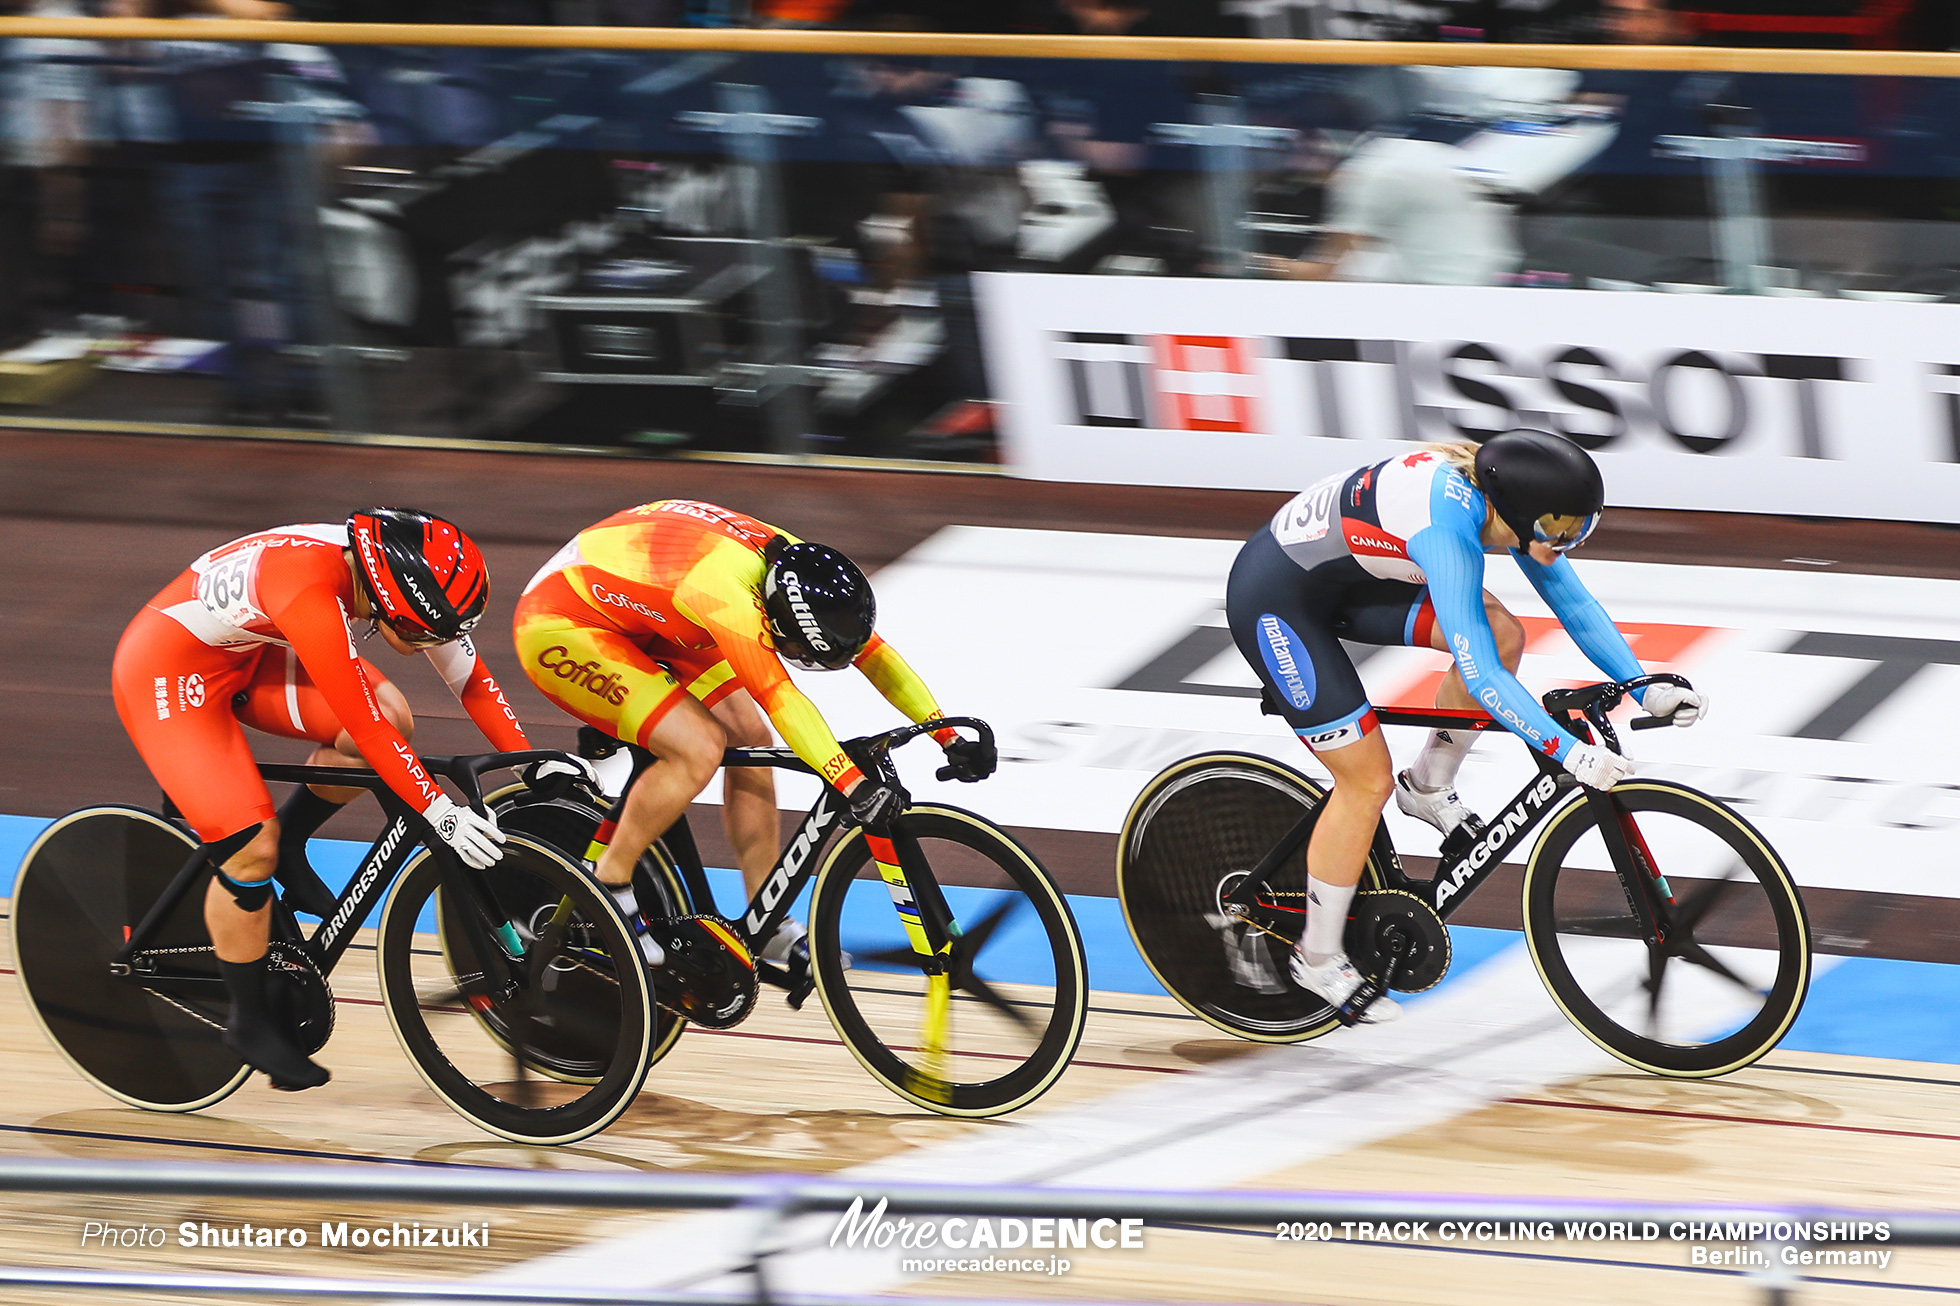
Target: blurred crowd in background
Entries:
(377, 237)
(1866, 24)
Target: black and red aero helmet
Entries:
(425, 578)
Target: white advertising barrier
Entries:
(1733, 403)
(1101, 659)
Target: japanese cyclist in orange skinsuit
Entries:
(667, 625)
(259, 632)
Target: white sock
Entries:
(1327, 912)
(1436, 768)
(629, 904)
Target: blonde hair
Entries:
(1460, 455)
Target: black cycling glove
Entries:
(875, 804)
(971, 759)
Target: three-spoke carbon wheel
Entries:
(1000, 1028)
(153, 1038)
(1723, 981)
(483, 987)
(568, 824)
(1194, 833)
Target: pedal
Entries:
(1458, 841)
(797, 986)
(1355, 1009)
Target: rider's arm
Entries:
(893, 677)
(313, 621)
(716, 596)
(1453, 564)
(1582, 616)
(462, 669)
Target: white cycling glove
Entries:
(1597, 766)
(475, 839)
(577, 768)
(1687, 705)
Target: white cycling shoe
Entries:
(1336, 979)
(1442, 808)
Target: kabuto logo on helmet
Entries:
(805, 618)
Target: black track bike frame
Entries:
(404, 832)
(797, 863)
(1468, 859)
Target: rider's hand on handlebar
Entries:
(1596, 766)
(475, 839)
(875, 804)
(970, 759)
(1685, 704)
(552, 777)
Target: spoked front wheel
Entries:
(155, 1037)
(1723, 981)
(998, 1027)
(535, 957)
(1192, 836)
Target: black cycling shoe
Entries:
(256, 1037)
(289, 1069)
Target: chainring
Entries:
(299, 995)
(1379, 917)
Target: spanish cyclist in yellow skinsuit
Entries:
(666, 625)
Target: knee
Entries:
(745, 727)
(1510, 635)
(695, 750)
(1372, 785)
(259, 858)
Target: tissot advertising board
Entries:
(1754, 404)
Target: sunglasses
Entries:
(1564, 533)
(409, 633)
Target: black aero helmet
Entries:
(1533, 478)
(818, 603)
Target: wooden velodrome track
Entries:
(92, 525)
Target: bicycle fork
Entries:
(931, 929)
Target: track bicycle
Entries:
(940, 947)
(118, 969)
(1662, 923)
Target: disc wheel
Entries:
(568, 824)
(569, 979)
(999, 1026)
(1728, 974)
(155, 1042)
(1193, 834)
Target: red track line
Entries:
(996, 1056)
(1730, 1120)
(794, 1038)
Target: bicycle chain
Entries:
(192, 1012)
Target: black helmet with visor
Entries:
(1543, 486)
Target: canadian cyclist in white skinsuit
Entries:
(1394, 554)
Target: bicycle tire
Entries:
(1192, 834)
(1586, 941)
(473, 1072)
(1019, 979)
(86, 881)
(567, 824)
